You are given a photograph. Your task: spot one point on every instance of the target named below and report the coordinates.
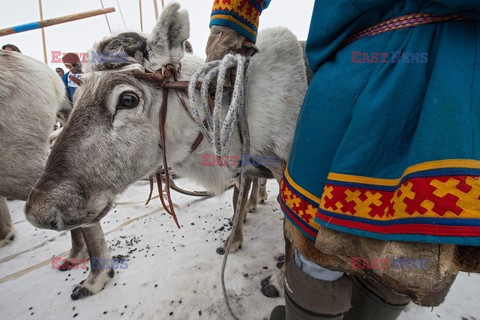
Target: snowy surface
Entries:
(172, 273)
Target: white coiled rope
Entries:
(221, 124)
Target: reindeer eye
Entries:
(127, 100)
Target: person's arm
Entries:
(233, 25)
(77, 81)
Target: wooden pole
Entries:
(43, 33)
(52, 22)
(141, 15)
(163, 4)
(155, 7)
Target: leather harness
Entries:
(162, 79)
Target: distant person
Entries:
(60, 72)
(72, 78)
(11, 47)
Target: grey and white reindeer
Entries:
(112, 137)
(31, 95)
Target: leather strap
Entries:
(180, 87)
(161, 78)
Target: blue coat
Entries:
(70, 90)
(387, 144)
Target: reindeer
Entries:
(258, 185)
(112, 137)
(30, 95)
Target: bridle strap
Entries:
(160, 78)
(180, 87)
(163, 117)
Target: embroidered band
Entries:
(402, 22)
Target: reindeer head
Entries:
(112, 136)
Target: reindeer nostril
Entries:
(53, 223)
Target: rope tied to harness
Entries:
(218, 127)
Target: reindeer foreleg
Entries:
(101, 267)
(7, 234)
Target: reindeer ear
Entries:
(165, 44)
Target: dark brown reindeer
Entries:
(112, 137)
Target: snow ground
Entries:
(172, 273)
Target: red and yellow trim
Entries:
(242, 16)
(425, 166)
(299, 206)
(435, 201)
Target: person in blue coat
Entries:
(385, 162)
(72, 79)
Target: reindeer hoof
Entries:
(271, 287)
(265, 282)
(80, 292)
(93, 284)
(270, 291)
(236, 245)
(8, 238)
(252, 206)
